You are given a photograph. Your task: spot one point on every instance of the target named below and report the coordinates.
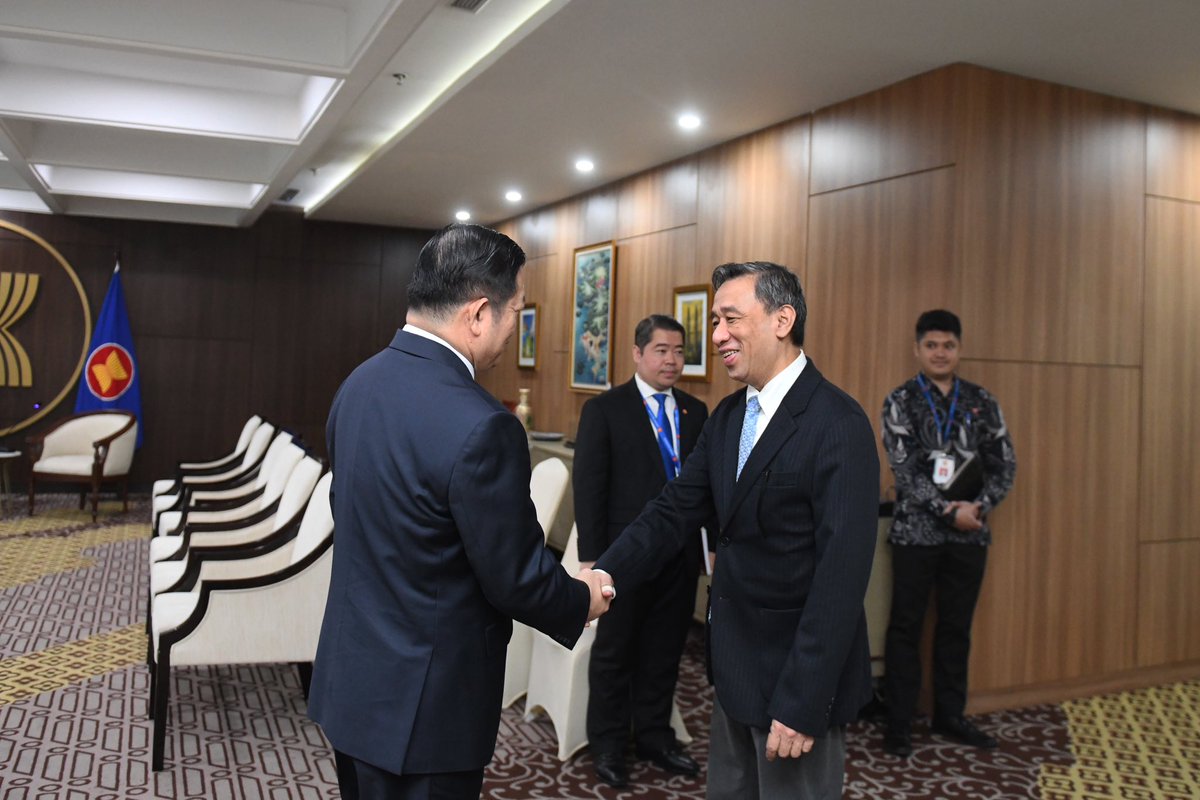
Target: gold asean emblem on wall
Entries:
(45, 327)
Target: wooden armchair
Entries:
(92, 448)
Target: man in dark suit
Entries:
(788, 467)
(437, 542)
(631, 441)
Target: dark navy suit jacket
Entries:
(788, 636)
(437, 549)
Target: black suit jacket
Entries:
(437, 548)
(788, 637)
(618, 467)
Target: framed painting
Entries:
(527, 337)
(692, 309)
(592, 317)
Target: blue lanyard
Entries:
(943, 431)
(664, 437)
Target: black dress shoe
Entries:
(897, 742)
(671, 758)
(610, 768)
(960, 729)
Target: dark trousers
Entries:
(359, 780)
(957, 572)
(738, 768)
(635, 662)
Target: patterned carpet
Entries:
(73, 689)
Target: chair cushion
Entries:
(163, 502)
(164, 575)
(164, 547)
(65, 465)
(168, 521)
(171, 610)
(161, 487)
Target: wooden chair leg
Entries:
(162, 692)
(125, 495)
(95, 497)
(304, 670)
(82, 498)
(31, 495)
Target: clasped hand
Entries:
(600, 585)
(783, 742)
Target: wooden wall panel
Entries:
(195, 395)
(753, 203)
(1059, 599)
(1170, 465)
(1173, 155)
(595, 218)
(879, 255)
(657, 200)
(899, 129)
(1168, 603)
(298, 363)
(1050, 204)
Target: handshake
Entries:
(600, 584)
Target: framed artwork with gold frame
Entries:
(693, 306)
(592, 294)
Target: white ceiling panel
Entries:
(301, 93)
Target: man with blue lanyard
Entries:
(632, 440)
(953, 461)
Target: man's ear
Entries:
(474, 312)
(785, 318)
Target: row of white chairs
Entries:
(554, 680)
(239, 558)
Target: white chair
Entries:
(558, 678)
(263, 615)
(217, 466)
(169, 569)
(174, 494)
(224, 503)
(547, 485)
(92, 448)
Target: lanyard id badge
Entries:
(943, 467)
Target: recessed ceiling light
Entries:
(463, 215)
(689, 121)
(512, 196)
(584, 165)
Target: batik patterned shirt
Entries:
(911, 438)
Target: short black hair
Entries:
(775, 286)
(645, 329)
(939, 319)
(462, 263)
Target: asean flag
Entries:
(110, 375)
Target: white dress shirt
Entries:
(424, 334)
(773, 392)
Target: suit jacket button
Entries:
(724, 541)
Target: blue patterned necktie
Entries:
(664, 437)
(749, 427)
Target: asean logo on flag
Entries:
(109, 371)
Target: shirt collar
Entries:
(773, 392)
(424, 334)
(647, 390)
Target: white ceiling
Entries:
(207, 112)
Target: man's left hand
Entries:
(783, 742)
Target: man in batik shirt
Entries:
(953, 461)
